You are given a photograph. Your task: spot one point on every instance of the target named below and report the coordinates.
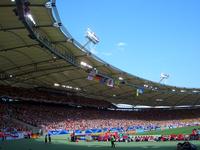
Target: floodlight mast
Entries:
(91, 36)
(163, 77)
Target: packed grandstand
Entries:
(45, 88)
(36, 112)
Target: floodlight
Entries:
(120, 78)
(84, 64)
(159, 100)
(56, 84)
(163, 76)
(57, 24)
(91, 36)
(48, 5)
(173, 90)
(31, 18)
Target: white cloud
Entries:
(121, 44)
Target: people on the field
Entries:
(112, 140)
(45, 140)
(186, 146)
(49, 137)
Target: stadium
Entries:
(56, 94)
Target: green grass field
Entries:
(183, 130)
(61, 143)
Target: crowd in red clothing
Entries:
(142, 138)
(50, 117)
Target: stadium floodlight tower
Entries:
(163, 77)
(91, 37)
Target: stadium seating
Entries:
(54, 117)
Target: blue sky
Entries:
(141, 37)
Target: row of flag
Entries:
(94, 75)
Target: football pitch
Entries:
(60, 143)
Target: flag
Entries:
(98, 77)
(90, 77)
(103, 80)
(92, 74)
(110, 82)
(139, 91)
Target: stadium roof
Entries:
(37, 51)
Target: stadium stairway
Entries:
(30, 127)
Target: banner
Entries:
(139, 130)
(58, 132)
(13, 135)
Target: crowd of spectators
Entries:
(53, 114)
(6, 121)
(51, 96)
(51, 117)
